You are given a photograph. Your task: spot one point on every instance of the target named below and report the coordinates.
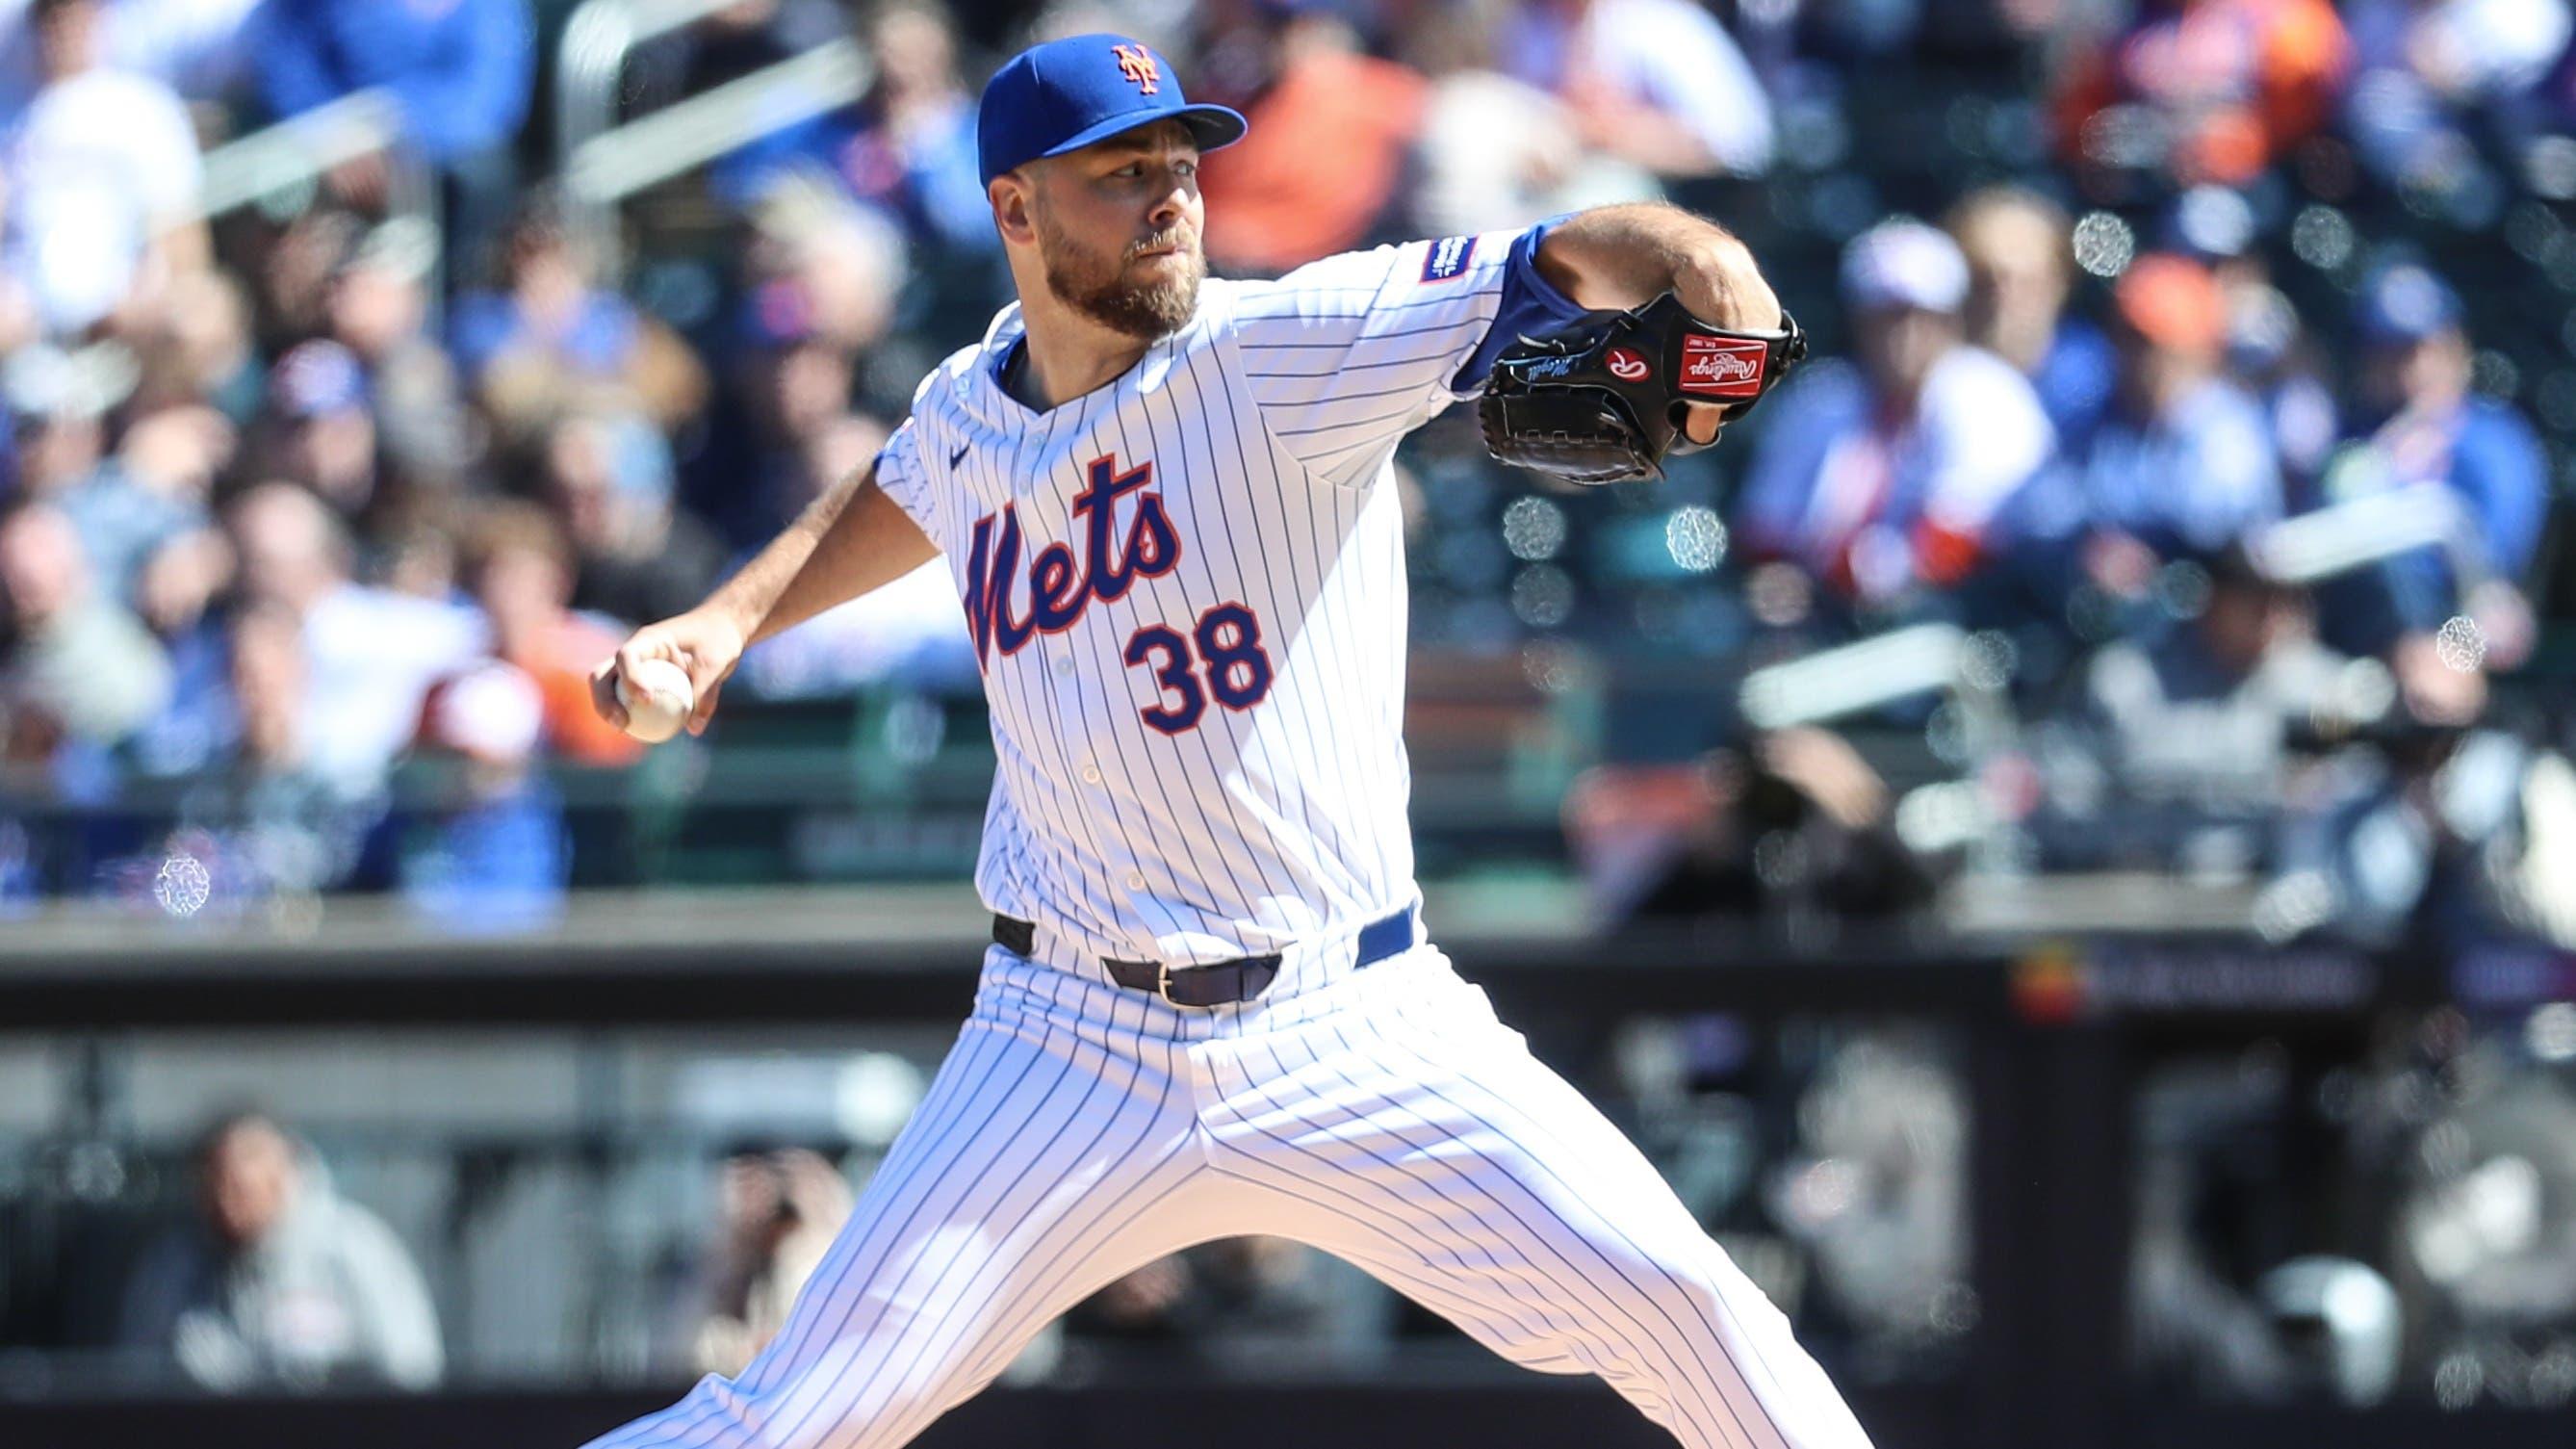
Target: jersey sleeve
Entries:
(903, 477)
(1346, 355)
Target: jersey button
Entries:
(1135, 880)
(1064, 662)
(1090, 774)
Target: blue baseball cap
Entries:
(2404, 302)
(318, 377)
(1066, 94)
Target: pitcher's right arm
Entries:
(848, 542)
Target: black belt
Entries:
(1219, 983)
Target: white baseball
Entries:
(658, 699)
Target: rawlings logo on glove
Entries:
(1722, 366)
(1603, 402)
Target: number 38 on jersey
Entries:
(1220, 657)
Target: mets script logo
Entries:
(1722, 366)
(1060, 583)
(1137, 64)
(1627, 366)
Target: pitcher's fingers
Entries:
(1702, 422)
(647, 644)
(706, 707)
(705, 673)
(603, 693)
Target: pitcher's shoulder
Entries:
(958, 380)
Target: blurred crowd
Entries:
(2363, 1217)
(2155, 373)
(340, 1253)
(2176, 491)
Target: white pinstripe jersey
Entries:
(1187, 594)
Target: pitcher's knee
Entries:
(1679, 1280)
(1701, 1309)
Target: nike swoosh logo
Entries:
(960, 455)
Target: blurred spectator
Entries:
(2215, 226)
(321, 428)
(2269, 353)
(2416, 839)
(153, 490)
(727, 44)
(1880, 480)
(2273, 356)
(278, 824)
(294, 270)
(372, 653)
(1269, 206)
(277, 1282)
(103, 179)
(202, 351)
(1877, 1186)
(2341, 1323)
(379, 310)
(2486, 1218)
(2434, 80)
(1142, 1305)
(907, 148)
(2194, 1324)
(20, 323)
(416, 548)
(174, 593)
(461, 71)
(482, 847)
(1243, 1304)
(2182, 462)
(2178, 755)
(75, 663)
(609, 478)
(58, 403)
(1793, 823)
(1496, 152)
(2021, 267)
(794, 380)
(2200, 90)
(911, 632)
(779, 1212)
(823, 268)
(520, 567)
(553, 340)
(192, 46)
(1656, 83)
(2417, 422)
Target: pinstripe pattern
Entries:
(1266, 423)
(1189, 603)
(1078, 1132)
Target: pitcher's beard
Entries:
(1102, 291)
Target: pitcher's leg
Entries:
(1037, 1170)
(1423, 1142)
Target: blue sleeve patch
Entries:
(1447, 258)
(1531, 305)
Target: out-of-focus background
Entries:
(2059, 838)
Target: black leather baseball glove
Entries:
(1602, 401)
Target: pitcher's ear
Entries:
(1012, 196)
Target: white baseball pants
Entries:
(1079, 1131)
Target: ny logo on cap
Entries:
(1137, 64)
